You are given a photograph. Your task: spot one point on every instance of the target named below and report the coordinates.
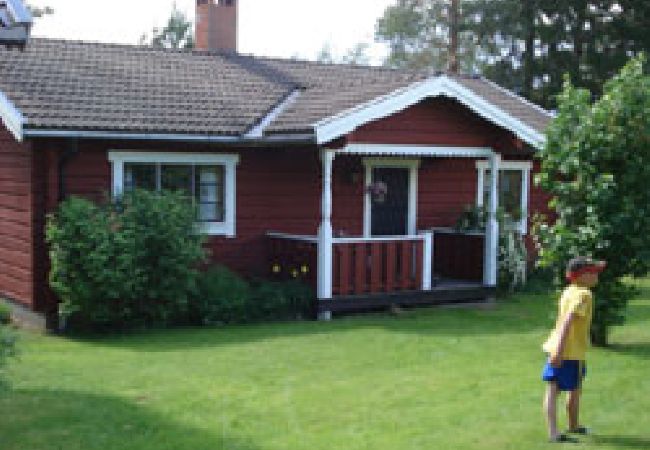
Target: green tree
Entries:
(524, 45)
(428, 34)
(596, 165)
(357, 55)
(177, 33)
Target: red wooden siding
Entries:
(458, 256)
(438, 121)
(446, 186)
(277, 190)
(16, 215)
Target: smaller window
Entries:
(513, 189)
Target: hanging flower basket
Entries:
(378, 191)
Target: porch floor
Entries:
(444, 291)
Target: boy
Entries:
(567, 345)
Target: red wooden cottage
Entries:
(348, 177)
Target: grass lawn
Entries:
(428, 379)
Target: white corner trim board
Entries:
(345, 122)
(11, 117)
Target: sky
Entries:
(276, 28)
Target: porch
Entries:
(435, 266)
(406, 262)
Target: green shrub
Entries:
(126, 264)
(5, 314)
(513, 255)
(224, 297)
(7, 350)
(283, 300)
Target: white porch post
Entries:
(325, 235)
(427, 266)
(491, 261)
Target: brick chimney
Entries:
(216, 25)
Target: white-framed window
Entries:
(209, 179)
(514, 187)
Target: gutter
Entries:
(291, 139)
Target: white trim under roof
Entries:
(415, 150)
(11, 117)
(345, 122)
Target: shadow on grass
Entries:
(622, 441)
(507, 317)
(633, 348)
(43, 419)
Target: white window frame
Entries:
(394, 163)
(229, 161)
(525, 167)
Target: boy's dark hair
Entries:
(580, 262)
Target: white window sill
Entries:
(217, 229)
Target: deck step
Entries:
(437, 296)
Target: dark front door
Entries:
(389, 213)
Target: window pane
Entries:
(510, 190)
(176, 177)
(209, 193)
(141, 176)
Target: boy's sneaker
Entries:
(563, 438)
(580, 430)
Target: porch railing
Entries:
(379, 265)
(458, 255)
(359, 265)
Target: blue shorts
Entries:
(568, 376)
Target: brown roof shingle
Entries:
(104, 87)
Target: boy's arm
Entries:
(556, 357)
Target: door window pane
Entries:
(209, 193)
(176, 178)
(140, 176)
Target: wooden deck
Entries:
(443, 292)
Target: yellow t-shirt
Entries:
(578, 300)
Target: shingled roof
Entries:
(68, 85)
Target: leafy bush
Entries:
(224, 297)
(596, 165)
(5, 314)
(513, 256)
(126, 264)
(286, 300)
(7, 350)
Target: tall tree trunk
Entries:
(454, 12)
(529, 12)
